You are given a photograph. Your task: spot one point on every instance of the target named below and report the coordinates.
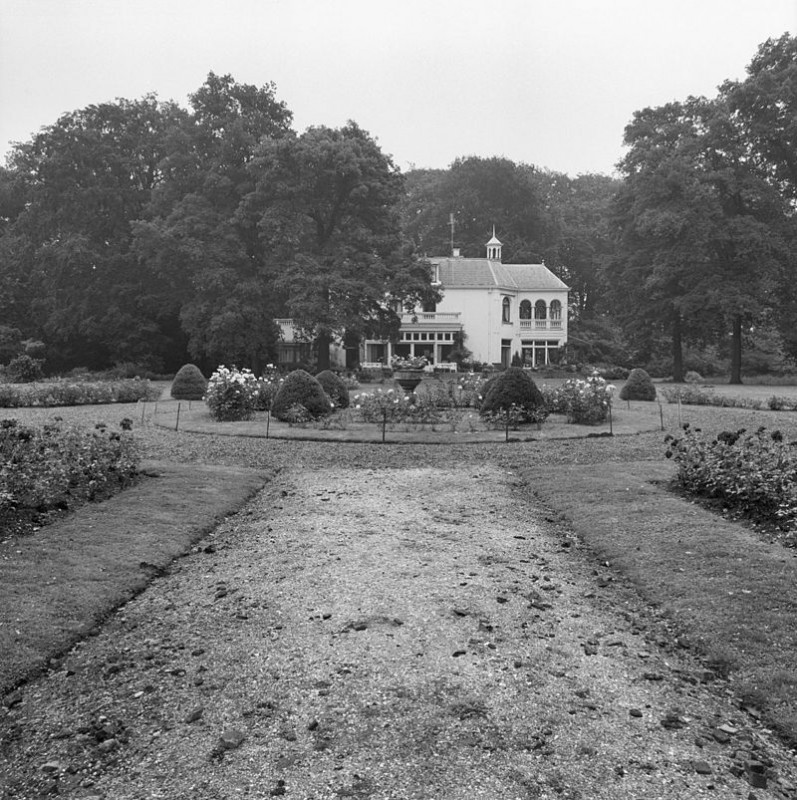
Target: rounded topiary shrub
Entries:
(638, 386)
(300, 389)
(189, 383)
(335, 387)
(513, 391)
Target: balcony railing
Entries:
(541, 324)
(431, 317)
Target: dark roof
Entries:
(478, 273)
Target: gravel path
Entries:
(414, 632)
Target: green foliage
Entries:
(57, 465)
(465, 391)
(34, 348)
(584, 402)
(335, 387)
(693, 209)
(776, 403)
(754, 473)
(230, 395)
(596, 341)
(23, 369)
(189, 383)
(325, 212)
(512, 390)
(10, 343)
(694, 395)
(76, 393)
(638, 386)
(268, 385)
(382, 405)
(299, 388)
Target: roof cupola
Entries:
(494, 248)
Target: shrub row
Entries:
(57, 465)
(76, 393)
(754, 473)
(693, 395)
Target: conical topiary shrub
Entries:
(638, 386)
(335, 387)
(514, 389)
(300, 389)
(189, 383)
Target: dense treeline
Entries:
(138, 232)
(141, 232)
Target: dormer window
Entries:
(435, 273)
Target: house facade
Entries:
(495, 310)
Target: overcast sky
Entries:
(545, 82)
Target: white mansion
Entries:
(496, 310)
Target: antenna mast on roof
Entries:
(451, 223)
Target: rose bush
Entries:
(58, 464)
(584, 402)
(755, 473)
(231, 394)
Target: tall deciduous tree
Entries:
(193, 239)
(764, 108)
(700, 228)
(325, 211)
(67, 249)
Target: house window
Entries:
(556, 309)
(540, 310)
(525, 309)
(506, 306)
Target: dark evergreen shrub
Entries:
(513, 388)
(638, 386)
(335, 387)
(300, 388)
(189, 383)
(24, 369)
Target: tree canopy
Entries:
(324, 209)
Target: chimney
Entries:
(455, 253)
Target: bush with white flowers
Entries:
(586, 402)
(231, 394)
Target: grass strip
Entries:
(61, 582)
(729, 591)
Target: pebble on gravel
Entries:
(231, 739)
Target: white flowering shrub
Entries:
(231, 394)
(382, 405)
(585, 402)
(268, 385)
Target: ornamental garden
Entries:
(467, 402)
